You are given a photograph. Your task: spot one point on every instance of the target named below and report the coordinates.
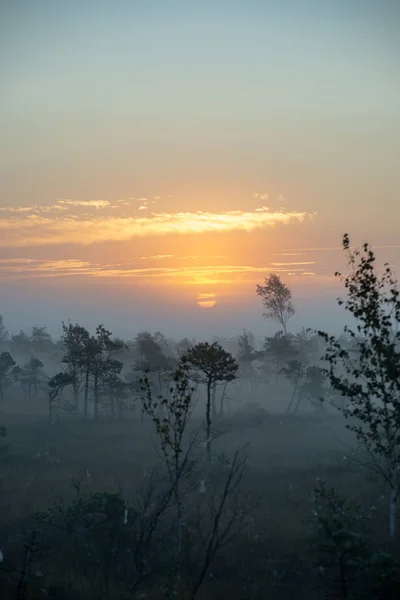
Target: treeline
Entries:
(93, 374)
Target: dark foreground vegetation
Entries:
(159, 469)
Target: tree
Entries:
(246, 355)
(7, 364)
(294, 372)
(210, 364)
(246, 348)
(40, 339)
(89, 361)
(277, 300)
(32, 377)
(183, 346)
(341, 547)
(280, 348)
(98, 363)
(21, 342)
(152, 359)
(56, 385)
(313, 387)
(306, 343)
(3, 331)
(73, 340)
(114, 391)
(370, 380)
(170, 415)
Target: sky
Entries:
(159, 159)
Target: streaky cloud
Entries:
(36, 229)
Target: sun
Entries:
(206, 300)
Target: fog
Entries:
(317, 310)
(160, 462)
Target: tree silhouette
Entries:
(277, 300)
(7, 364)
(32, 377)
(313, 387)
(56, 385)
(99, 361)
(280, 348)
(371, 377)
(73, 341)
(294, 372)
(40, 340)
(152, 358)
(3, 331)
(210, 364)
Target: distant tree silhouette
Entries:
(40, 340)
(210, 364)
(281, 349)
(152, 358)
(32, 377)
(89, 360)
(73, 341)
(3, 331)
(276, 298)
(56, 385)
(20, 343)
(313, 387)
(7, 364)
(294, 372)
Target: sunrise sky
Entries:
(159, 159)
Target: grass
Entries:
(270, 558)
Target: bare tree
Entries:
(170, 414)
(217, 520)
(277, 300)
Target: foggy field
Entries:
(285, 456)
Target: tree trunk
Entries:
(221, 402)
(292, 398)
(394, 492)
(208, 421)
(299, 399)
(96, 396)
(86, 396)
(50, 410)
(75, 390)
(214, 405)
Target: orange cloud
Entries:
(287, 264)
(35, 229)
(28, 268)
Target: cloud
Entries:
(194, 256)
(287, 264)
(35, 268)
(90, 203)
(289, 253)
(157, 257)
(50, 225)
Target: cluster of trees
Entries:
(362, 367)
